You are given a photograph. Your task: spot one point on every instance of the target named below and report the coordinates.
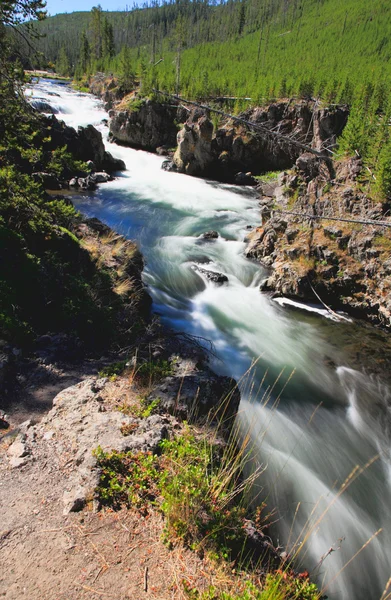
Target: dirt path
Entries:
(48, 555)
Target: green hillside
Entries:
(253, 48)
(257, 49)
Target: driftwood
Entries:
(308, 216)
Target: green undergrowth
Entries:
(150, 372)
(190, 481)
(146, 407)
(268, 176)
(197, 484)
(278, 585)
(146, 373)
(49, 281)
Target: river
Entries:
(315, 401)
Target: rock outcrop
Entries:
(194, 155)
(84, 418)
(144, 124)
(85, 144)
(346, 265)
(234, 151)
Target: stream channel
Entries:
(311, 428)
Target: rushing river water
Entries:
(315, 430)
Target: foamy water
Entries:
(330, 418)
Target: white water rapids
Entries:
(332, 419)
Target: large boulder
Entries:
(198, 394)
(194, 155)
(149, 126)
(85, 144)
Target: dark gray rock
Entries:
(150, 126)
(169, 165)
(197, 395)
(48, 180)
(213, 276)
(111, 164)
(163, 151)
(210, 235)
(291, 233)
(100, 177)
(91, 166)
(308, 166)
(245, 179)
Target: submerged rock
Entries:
(169, 165)
(245, 179)
(210, 235)
(100, 177)
(213, 276)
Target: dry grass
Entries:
(92, 245)
(124, 286)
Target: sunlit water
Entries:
(330, 418)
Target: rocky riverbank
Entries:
(85, 145)
(224, 150)
(54, 543)
(345, 264)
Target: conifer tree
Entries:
(96, 31)
(85, 53)
(62, 63)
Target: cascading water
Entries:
(331, 416)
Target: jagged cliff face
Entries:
(347, 264)
(148, 125)
(219, 153)
(234, 147)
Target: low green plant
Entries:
(268, 176)
(144, 409)
(151, 371)
(383, 242)
(134, 104)
(198, 487)
(113, 370)
(278, 585)
(127, 479)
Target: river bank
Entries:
(55, 457)
(336, 263)
(321, 445)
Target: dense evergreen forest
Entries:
(257, 49)
(49, 280)
(253, 48)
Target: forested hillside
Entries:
(259, 50)
(252, 48)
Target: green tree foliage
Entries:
(108, 47)
(126, 71)
(258, 49)
(85, 53)
(62, 64)
(48, 281)
(96, 31)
